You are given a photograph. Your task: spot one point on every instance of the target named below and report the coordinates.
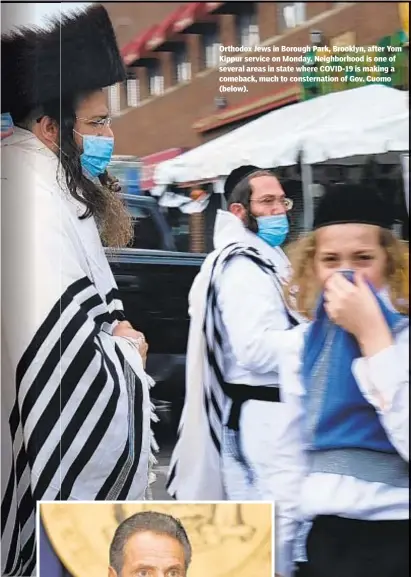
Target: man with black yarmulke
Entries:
(233, 418)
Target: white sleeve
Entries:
(384, 381)
(290, 460)
(253, 313)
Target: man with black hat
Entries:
(75, 396)
(232, 420)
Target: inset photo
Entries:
(155, 539)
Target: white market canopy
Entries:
(373, 119)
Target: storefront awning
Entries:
(214, 6)
(319, 129)
(224, 7)
(137, 48)
(248, 109)
(194, 17)
(150, 162)
(164, 31)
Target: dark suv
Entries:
(154, 281)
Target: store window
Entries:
(155, 78)
(246, 24)
(182, 64)
(210, 43)
(133, 91)
(114, 99)
(292, 14)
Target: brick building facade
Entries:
(172, 97)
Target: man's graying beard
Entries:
(114, 224)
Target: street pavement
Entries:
(159, 492)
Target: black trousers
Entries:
(338, 547)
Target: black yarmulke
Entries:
(76, 54)
(236, 176)
(353, 203)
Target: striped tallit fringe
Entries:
(154, 448)
(75, 320)
(134, 441)
(213, 379)
(17, 524)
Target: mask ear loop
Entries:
(78, 133)
(252, 223)
(53, 144)
(62, 152)
(58, 147)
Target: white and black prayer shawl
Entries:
(75, 400)
(195, 468)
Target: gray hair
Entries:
(147, 521)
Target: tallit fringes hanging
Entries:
(154, 448)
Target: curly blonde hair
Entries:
(303, 289)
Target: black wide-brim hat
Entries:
(361, 203)
(75, 55)
(353, 203)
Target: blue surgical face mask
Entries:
(97, 153)
(273, 229)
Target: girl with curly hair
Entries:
(346, 376)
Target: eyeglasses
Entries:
(272, 201)
(102, 123)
